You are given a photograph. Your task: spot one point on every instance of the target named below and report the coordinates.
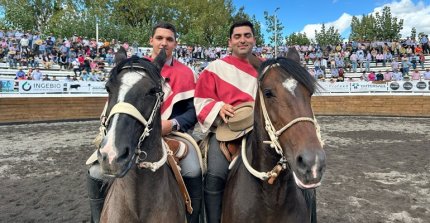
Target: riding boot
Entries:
(195, 190)
(96, 192)
(214, 190)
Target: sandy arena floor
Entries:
(378, 170)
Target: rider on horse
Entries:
(222, 88)
(177, 113)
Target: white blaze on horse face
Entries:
(290, 84)
(314, 167)
(128, 81)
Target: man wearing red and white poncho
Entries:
(224, 84)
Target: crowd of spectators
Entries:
(88, 58)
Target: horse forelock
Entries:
(291, 68)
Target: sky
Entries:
(308, 15)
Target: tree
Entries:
(327, 37)
(297, 39)
(387, 27)
(272, 29)
(413, 33)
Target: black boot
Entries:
(96, 192)
(214, 190)
(195, 189)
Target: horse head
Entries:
(133, 124)
(283, 107)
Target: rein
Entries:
(274, 140)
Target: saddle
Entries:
(230, 149)
(179, 149)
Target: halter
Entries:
(274, 139)
(129, 109)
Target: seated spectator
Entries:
(415, 75)
(371, 76)
(36, 75)
(54, 78)
(29, 73)
(46, 61)
(62, 61)
(364, 77)
(85, 76)
(46, 78)
(68, 79)
(397, 76)
(426, 74)
(20, 75)
(387, 75)
(379, 76)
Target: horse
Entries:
(144, 188)
(282, 158)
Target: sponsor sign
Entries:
(29, 86)
(7, 85)
(334, 87)
(416, 86)
(98, 87)
(363, 86)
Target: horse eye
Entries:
(268, 93)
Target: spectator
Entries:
(426, 74)
(54, 78)
(68, 79)
(397, 75)
(36, 75)
(29, 73)
(46, 78)
(379, 76)
(20, 75)
(415, 75)
(371, 76)
(388, 75)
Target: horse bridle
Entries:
(129, 109)
(274, 138)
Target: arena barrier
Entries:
(67, 107)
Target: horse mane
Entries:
(135, 63)
(292, 68)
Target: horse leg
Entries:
(215, 181)
(97, 189)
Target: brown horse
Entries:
(285, 144)
(144, 188)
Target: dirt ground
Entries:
(378, 170)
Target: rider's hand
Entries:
(166, 127)
(227, 110)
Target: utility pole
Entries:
(276, 33)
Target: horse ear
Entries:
(120, 55)
(160, 60)
(293, 54)
(254, 61)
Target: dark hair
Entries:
(242, 23)
(164, 25)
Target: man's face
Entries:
(241, 41)
(163, 38)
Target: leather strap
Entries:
(181, 183)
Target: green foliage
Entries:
(327, 37)
(413, 33)
(297, 39)
(273, 28)
(379, 27)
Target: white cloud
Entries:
(342, 24)
(413, 15)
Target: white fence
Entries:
(91, 87)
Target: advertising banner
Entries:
(364, 86)
(416, 86)
(7, 85)
(339, 87)
(41, 87)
